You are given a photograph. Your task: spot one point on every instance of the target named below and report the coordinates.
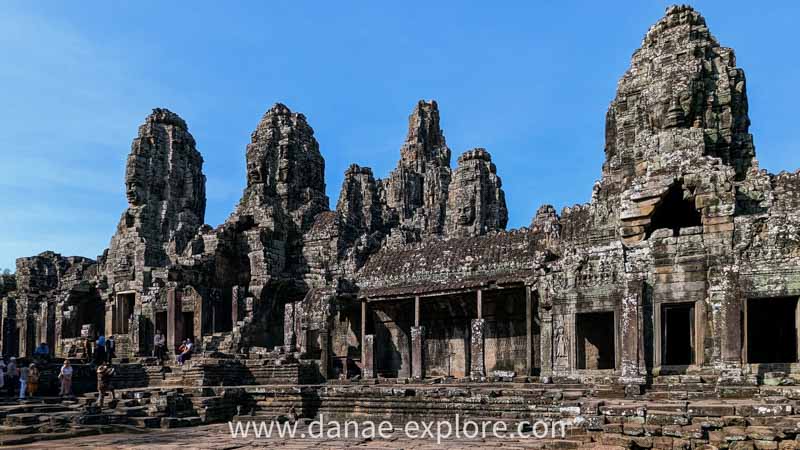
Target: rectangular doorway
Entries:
(188, 325)
(123, 312)
(161, 322)
(677, 334)
(594, 334)
(772, 330)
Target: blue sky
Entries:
(530, 81)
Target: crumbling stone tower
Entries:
(165, 188)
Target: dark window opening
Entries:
(772, 330)
(595, 340)
(677, 334)
(188, 325)
(674, 212)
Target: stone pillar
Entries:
(324, 353)
(528, 331)
(368, 363)
(546, 343)
(723, 292)
(111, 311)
(5, 326)
(477, 364)
(418, 352)
(174, 321)
(479, 306)
(236, 307)
(289, 335)
(416, 311)
(200, 316)
(363, 329)
(631, 351)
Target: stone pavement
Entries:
(218, 437)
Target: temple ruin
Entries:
(685, 262)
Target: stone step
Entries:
(145, 422)
(18, 429)
(177, 422)
(133, 411)
(22, 419)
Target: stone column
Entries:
(324, 353)
(528, 331)
(200, 305)
(236, 300)
(110, 311)
(477, 365)
(479, 306)
(363, 329)
(631, 371)
(546, 342)
(418, 352)
(416, 311)
(368, 363)
(289, 335)
(174, 321)
(724, 293)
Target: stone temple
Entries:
(678, 281)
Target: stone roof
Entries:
(452, 264)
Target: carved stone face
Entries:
(466, 212)
(134, 192)
(254, 174)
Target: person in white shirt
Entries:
(66, 378)
(158, 345)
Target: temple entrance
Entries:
(188, 325)
(123, 312)
(447, 334)
(772, 330)
(392, 328)
(677, 334)
(82, 310)
(221, 317)
(161, 322)
(594, 334)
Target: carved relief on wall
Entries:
(559, 340)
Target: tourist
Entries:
(111, 348)
(23, 381)
(185, 351)
(87, 348)
(42, 350)
(12, 376)
(158, 346)
(104, 374)
(100, 350)
(2, 374)
(66, 379)
(181, 349)
(33, 380)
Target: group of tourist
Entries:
(22, 380)
(184, 351)
(101, 350)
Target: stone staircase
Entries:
(219, 342)
(214, 369)
(133, 410)
(772, 415)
